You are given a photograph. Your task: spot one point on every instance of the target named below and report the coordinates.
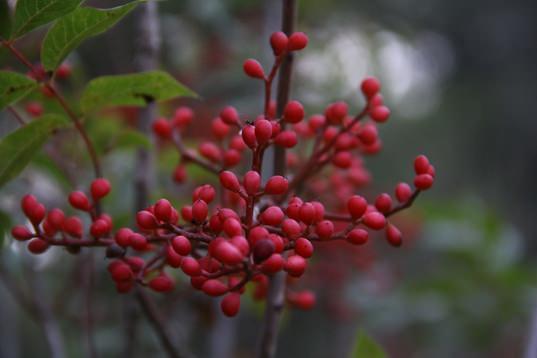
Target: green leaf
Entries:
(18, 148)
(5, 19)
(132, 90)
(30, 14)
(131, 138)
(69, 31)
(5, 226)
(366, 347)
(14, 86)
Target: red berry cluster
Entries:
(256, 227)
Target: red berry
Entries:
(191, 266)
(63, 71)
(357, 236)
(304, 300)
(394, 235)
(21, 233)
(368, 134)
(182, 117)
(286, 139)
(248, 136)
(163, 210)
(295, 265)
(227, 253)
(173, 258)
(100, 187)
(232, 157)
(251, 182)
(38, 246)
(120, 271)
(307, 213)
(297, 41)
(79, 200)
(241, 243)
(206, 193)
(210, 151)
(273, 264)
(273, 215)
(73, 226)
(325, 229)
(162, 128)
(263, 131)
(403, 192)
(230, 115)
(374, 220)
(291, 228)
(162, 283)
(336, 112)
(179, 174)
(232, 227)
(276, 185)
(146, 220)
(138, 242)
(214, 288)
(34, 109)
(219, 129)
(293, 112)
(100, 228)
(423, 181)
(370, 86)
(383, 203)
(380, 114)
(421, 164)
(55, 218)
(122, 237)
(357, 205)
(279, 42)
(231, 304)
(181, 245)
(253, 69)
(257, 233)
(199, 211)
(342, 159)
(316, 121)
(303, 247)
(229, 181)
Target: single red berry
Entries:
(232, 157)
(248, 136)
(263, 131)
(325, 229)
(120, 271)
(232, 227)
(374, 220)
(34, 109)
(295, 265)
(357, 236)
(279, 42)
(219, 129)
(55, 218)
(307, 213)
(228, 253)
(357, 205)
(162, 283)
(257, 233)
(138, 242)
(342, 159)
(122, 237)
(186, 213)
(291, 228)
(286, 139)
(380, 114)
(100, 228)
(73, 226)
(205, 192)
(376, 100)
(336, 112)
(403, 192)
(237, 143)
(231, 304)
(304, 300)
(162, 128)
(63, 71)
(210, 151)
(230, 115)
(303, 247)
(297, 41)
(163, 210)
(383, 203)
(393, 235)
(421, 164)
(423, 181)
(191, 266)
(199, 211)
(182, 117)
(124, 286)
(368, 134)
(179, 174)
(100, 187)
(273, 264)
(38, 246)
(214, 288)
(253, 69)
(251, 182)
(370, 86)
(293, 112)
(229, 181)
(173, 258)
(146, 220)
(273, 215)
(79, 200)
(276, 185)
(181, 245)
(21, 233)
(240, 243)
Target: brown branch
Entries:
(17, 116)
(189, 156)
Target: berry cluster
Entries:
(256, 227)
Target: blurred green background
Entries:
(460, 78)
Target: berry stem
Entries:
(186, 154)
(17, 116)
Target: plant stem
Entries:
(276, 291)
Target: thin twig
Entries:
(17, 116)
